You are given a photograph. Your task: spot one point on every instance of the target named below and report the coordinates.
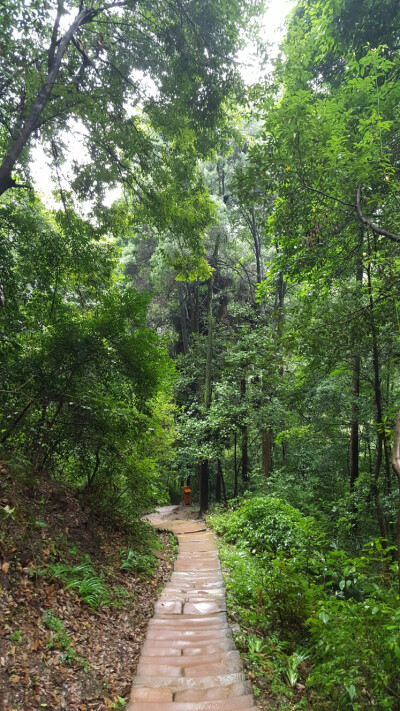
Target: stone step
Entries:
(163, 648)
(196, 635)
(215, 693)
(147, 668)
(186, 644)
(188, 622)
(190, 659)
(179, 683)
(238, 704)
(190, 665)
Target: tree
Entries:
(81, 371)
(67, 61)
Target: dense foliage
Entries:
(117, 94)
(82, 373)
(308, 611)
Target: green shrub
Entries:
(356, 650)
(341, 614)
(267, 525)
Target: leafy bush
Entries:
(356, 650)
(266, 524)
(304, 593)
(83, 580)
(244, 582)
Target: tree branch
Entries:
(84, 17)
(330, 197)
(368, 223)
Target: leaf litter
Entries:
(56, 652)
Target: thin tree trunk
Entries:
(16, 422)
(208, 380)
(235, 487)
(182, 308)
(375, 491)
(354, 427)
(355, 386)
(207, 395)
(207, 389)
(92, 476)
(218, 482)
(245, 437)
(266, 438)
(204, 478)
(378, 402)
(222, 480)
(396, 467)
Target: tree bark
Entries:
(354, 427)
(235, 486)
(182, 309)
(355, 388)
(16, 422)
(266, 439)
(207, 386)
(218, 482)
(221, 479)
(396, 467)
(204, 477)
(379, 411)
(245, 437)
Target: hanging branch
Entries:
(368, 223)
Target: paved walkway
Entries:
(189, 661)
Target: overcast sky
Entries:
(273, 25)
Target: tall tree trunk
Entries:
(245, 437)
(220, 488)
(379, 411)
(235, 486)
(16, 422)
(207, 386)
(218, 483)
(204, 478)
(355, 386)
(354, 426)
(396, 467)
(266, 439)
(375, 490)
(183, 314)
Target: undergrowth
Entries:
(59, 639)
(318, 628)
(83, 580)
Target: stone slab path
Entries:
(189, 661)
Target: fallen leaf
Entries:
(5, 567)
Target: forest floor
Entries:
(57, 652)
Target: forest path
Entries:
(189, 661)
